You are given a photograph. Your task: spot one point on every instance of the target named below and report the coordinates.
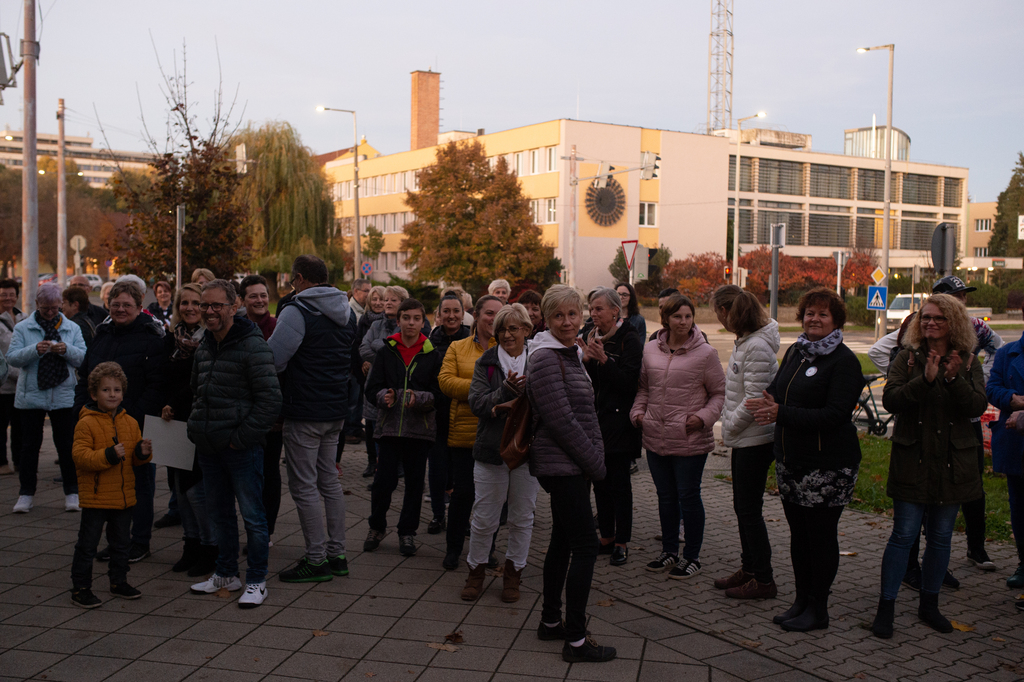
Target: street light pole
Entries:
(357, 247)
(62, 202)
(29, 164)
(736, 206)
(880, 320)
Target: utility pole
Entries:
(572, 226)
(62, 202)
(30, 180)
(358, 248)
(179, 231)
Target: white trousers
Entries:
(494, 484)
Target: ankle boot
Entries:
(814, 617)
(882, 627)
(371, 466)
(510, 582)
(207, 562)
(928, 611)
(189, 556)
(474, 583)
(798, 607)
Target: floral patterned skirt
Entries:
(817, 487)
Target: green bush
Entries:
(857, 311)
(987, 296)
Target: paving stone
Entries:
(344, 645)
(382, 672)
(309, 666)
(61, 641)
(656, 671)
(79, 668)
(217, 631)
(23, 664)
(401, 651)
(240, 658)
(123, 645)
(188, 652)
(361, 623)
(152, 671)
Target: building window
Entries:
(552, 159)
(916, 234)
(745, 171)
(870, 185)
(534, 161)
(648, 214)
(336, 191)
(920, 189)
(983, 225)
(415, 180)
(951, 192)
(552, 211)
(832, 182)
(981, 252)
(518, 164)
(779, 177)
(827, 230)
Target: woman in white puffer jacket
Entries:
(752, 367)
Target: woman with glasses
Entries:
(631, 308)
(935, 386)
(46, 347)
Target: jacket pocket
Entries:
(905, 465)
(964, 459)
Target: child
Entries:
(107, 444)
(403, 384)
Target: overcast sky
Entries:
(957, 92)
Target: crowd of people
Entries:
(432, 405)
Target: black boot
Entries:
(207, 562)
(882, 627)
(371, 466)
(928, 611)
(189, 556)
(798, 607)
(814, 617)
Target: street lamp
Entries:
(880, 328)
(736, 207)
(357, 250)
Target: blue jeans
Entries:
(227, 476)
(142, 512)
(1015, 487)
(677, 480)
(906, 526)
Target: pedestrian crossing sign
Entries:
(877, 297)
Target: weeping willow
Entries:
(286, 196)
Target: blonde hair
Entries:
(961, 331)
(175, 315)
(202, 272)
(106, 370)
(516, 312)
(379, 290)
(499, 283)
(557, 296)
(401, 292)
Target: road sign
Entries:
(367, 268)
(877, 297)
(629, 251)
(944, 248)
(1020, 226)
(77, 243)
(878, 275)
(999, 263)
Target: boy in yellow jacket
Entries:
(107, 444)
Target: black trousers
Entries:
(90, 530)
(814, 546)
(272, 477)
(613, 497)
(460, 508)
(62, 423)
(411, 453)
(749, 475)
(572, 552)
(11, 416)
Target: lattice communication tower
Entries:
(720, 46)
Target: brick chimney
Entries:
(426, 109)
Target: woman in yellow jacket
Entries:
(455, 378)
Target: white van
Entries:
(902, 306)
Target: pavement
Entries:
(388, 619)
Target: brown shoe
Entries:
(738, 578)
(6, 470)
(474, 583)
(753, 590)
(510, 582)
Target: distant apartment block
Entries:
(96, 165)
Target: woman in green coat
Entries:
(935, 387)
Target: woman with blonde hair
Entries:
(201, 276)
(935, 386)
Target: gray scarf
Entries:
(812, 349)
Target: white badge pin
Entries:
(811, 371)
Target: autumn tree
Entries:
(797, 274)
(472, 223)
(696, 276)
(373, 243)
(1004, 240)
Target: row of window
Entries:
(387, 223)
(981, 252)
(392, 261)
(983, 225)
(532, 162)
(544, 211)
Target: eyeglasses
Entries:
(513, 330)
(215, 307)
(48, 308)
(929, 319)
(122, 306)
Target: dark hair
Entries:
(77, 295)
(312, 269)
(665, 293)
(823, 296)
(672, 305)
(746, 314)
(633, 307)
(480, 303)
(529, 297)
(126, 287)
(249, 280)
(106, 370)
(449, 297)
(227, 287)
(162, 283)
(356, 283)
(11, 284)
(410, 304)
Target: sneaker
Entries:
(980, 559)
(71, 503)
(1016, 581)
(912, 579)
(137, 553)
(125, 591)
(338, 564)
(216, 582)
(166, 521)
(1019, 605)
(752, 589)
(686, 569)
(85, 598)
(949, 580)
(307, 572)
(372, 540)
(406, 545)
(254, 595)
(103, 554)
(664, 562)
(588, 652)
(23, 504)
(437, 526)
(634, 468)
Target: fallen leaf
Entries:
(847, 554)
(371, 674)
(346, 492)
(498, 572)
(750, 643)
(637, 548)
(256, 659)
(961, 626)
(1020, 596)
(320, 633)
(222, 593)
(998, 639)
(454, 637)
(842, 533)
(442, 647)
(606, 602)
(861, 676)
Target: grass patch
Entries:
(869, 494)
(866, 366)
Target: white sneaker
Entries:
(71, 503)
(255, 594)
(23, 504)
(217, 582)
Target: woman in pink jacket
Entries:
(682, 391)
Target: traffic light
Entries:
(603, 175)
(728, 272)
(649, 166)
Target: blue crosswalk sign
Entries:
(877, 296)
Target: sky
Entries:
(503, 65)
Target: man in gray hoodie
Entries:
(312, 346)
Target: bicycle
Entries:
(867, 411)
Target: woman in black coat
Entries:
(613, 355)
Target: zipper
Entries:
(785, 401)
(405, 387)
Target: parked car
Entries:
(95, 281)
(902, 306)
(47, 278)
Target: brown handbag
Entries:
(519, 432)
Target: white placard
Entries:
(1020, 227)
(171, 446)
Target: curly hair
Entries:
(106, 370)
(826, 297)
(961, 331)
